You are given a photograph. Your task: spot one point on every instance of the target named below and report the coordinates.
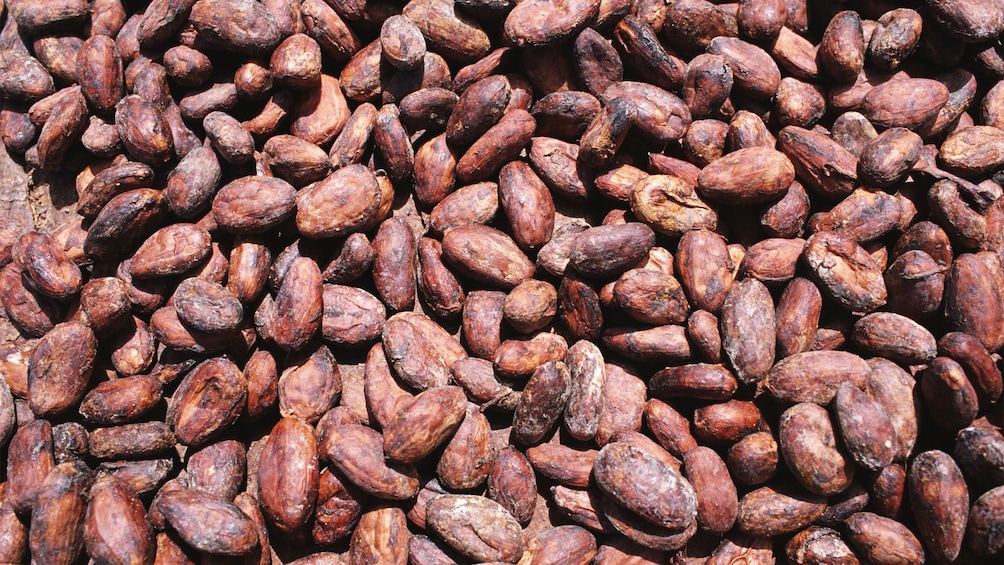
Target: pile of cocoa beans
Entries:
(486, 281)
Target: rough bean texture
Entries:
(537, 281)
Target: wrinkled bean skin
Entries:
(501, 281)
